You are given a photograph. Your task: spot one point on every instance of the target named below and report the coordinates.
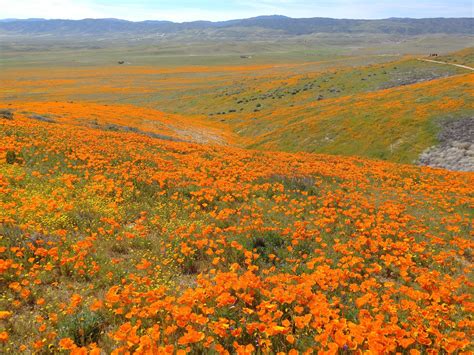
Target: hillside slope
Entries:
(393, 109)
(395, 124)
(123, 241)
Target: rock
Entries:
(6, 114)
(455, 150)
(42, 118)
(463, 145)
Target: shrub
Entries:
(84, 327)
(11, 157)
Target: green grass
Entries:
(52, 52)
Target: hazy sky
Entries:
(188, 10)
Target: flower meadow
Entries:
(115, 241)
(317, 107)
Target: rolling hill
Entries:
(188, 198)
(117, 240)
(279, 24)
(317, 107)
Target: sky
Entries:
(188, 10)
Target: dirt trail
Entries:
(440, 62)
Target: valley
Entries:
(308, 194)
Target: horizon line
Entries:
(236, 19)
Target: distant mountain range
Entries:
(279, 24)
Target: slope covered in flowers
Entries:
(322, 107)
(402, 121)
(115, 240)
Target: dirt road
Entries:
(440, 62)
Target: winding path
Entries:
(440, 62)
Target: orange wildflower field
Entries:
(128, 229)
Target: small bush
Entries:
(84, 327)
(11, 157)
(268, 243)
